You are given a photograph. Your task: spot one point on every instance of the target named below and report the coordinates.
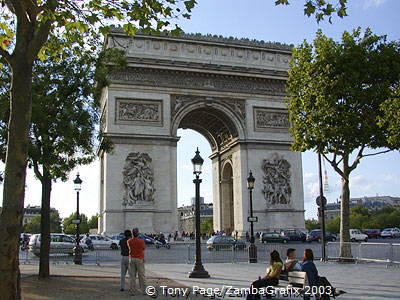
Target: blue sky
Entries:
(262, 20)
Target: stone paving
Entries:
(360, 281)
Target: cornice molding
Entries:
(193, 80)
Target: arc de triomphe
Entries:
(229, 90)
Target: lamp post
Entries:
(198, 269)
(77, 221)
(321, 202)
(251, 219)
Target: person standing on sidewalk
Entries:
(136, 262)
(123, 244)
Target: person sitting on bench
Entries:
(291, 263)
(314, 279)
(270, 279)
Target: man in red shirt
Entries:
(136, 262)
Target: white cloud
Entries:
(372, 3)
(311, 186)
(391, 178)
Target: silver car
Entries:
(59, 244)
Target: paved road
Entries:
(185, 253)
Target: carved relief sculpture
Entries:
(266, 118)
(276, 180)
(129, 111)
(138, 179)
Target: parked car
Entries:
(315, 236)
(225, 242)
(59, 243)
(273, 237)
(102, 242)
(390, 233)
(294, 235)
(372, 233)
(357, 235)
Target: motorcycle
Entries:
(162, 242)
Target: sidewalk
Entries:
(361, 281)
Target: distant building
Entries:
(32, 211)
(193, 201)
(186, 215)
(332, 210)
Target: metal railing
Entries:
(388, 253)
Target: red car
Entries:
(372, 233)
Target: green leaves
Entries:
(321, 8)
(78, 21)
(70, 228)
(391, 117)
(338, 92)
(64, 113)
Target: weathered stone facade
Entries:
(187, 220)
(231, 91)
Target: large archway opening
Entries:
(213, 131)
(227, 199)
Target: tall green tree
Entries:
(25, 28)
(62, 134)
(336, 92)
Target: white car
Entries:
(390, 233)
(102, 242)
(59, 244)
(357, 235)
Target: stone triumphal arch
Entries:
(232, 92)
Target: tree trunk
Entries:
(15, 174)
(44, 271)
(345, 246)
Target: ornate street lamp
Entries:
(198, 268)
(77, 221)
(251, 219)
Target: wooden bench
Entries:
(295, 280)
